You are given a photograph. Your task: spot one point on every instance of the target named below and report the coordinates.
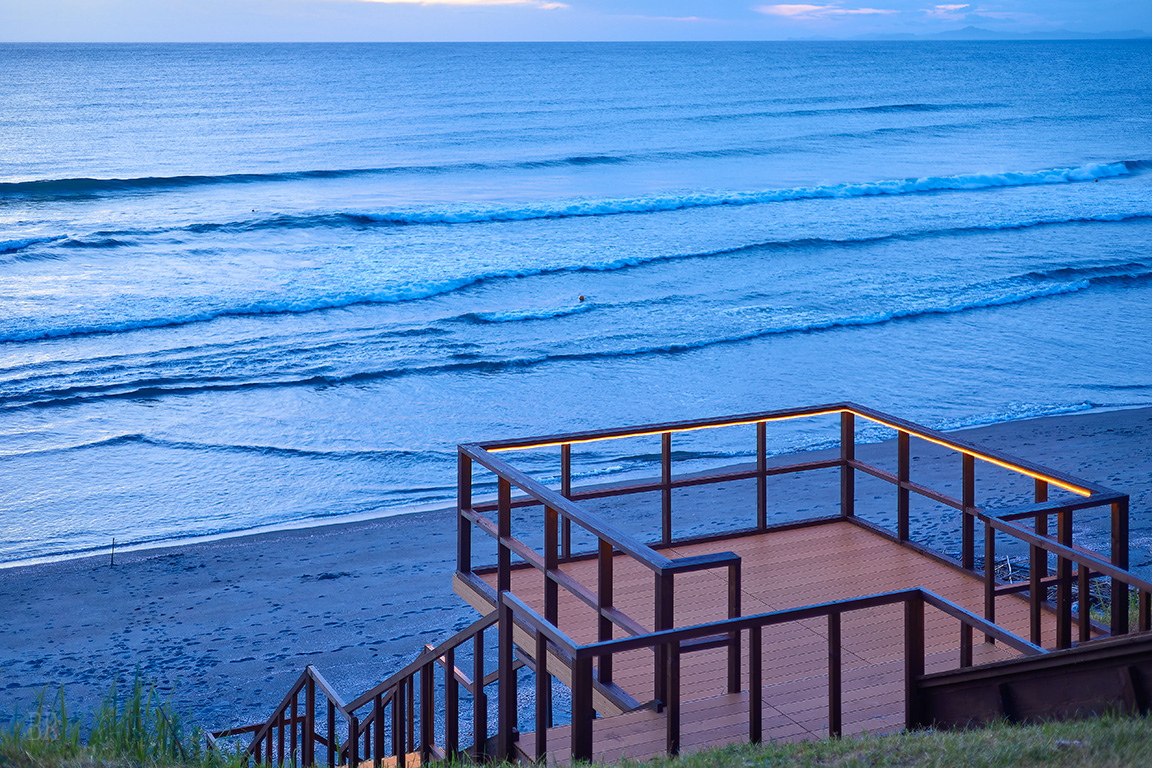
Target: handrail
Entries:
(1060, 479)
(422, 660)
(772, 618)
(590, 522)
(1078, 556)
(1032, 469)
(540, 624)
(1043, 508)
(591, 436)
(260, 734)
(327, 688)
(976, 622)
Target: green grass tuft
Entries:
(136, 730)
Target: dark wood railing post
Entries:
(967, 521)
(755, 684)
(582, 713)
(280, 734)
(410, 710)
(566, 492)
(672, 710)
(1064, 582)
(734, 591)
(847, 472)
(551, 563)
(451, 706)
(427, 711)
(663, 614)
(295, 756)
(903, 496)
(332, 745)
(1120, 560)
(913, 658)
(310, 722)
(761, 475)
(506, 675)
(835, 727)
(1037, 570)
(965, 644)
(543, 697)
(398, 738)
(989, 577)
(479, 698)
(354, 742)
(463, 501)
(604, 600)
(1144, 611)
(378, 730)
(666, 489)
(1084, 608)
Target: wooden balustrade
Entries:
(398, 717)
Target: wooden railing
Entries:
(609, 542)
(673, 641)
(394, 719)
(564, 504)
(397, 718)
(562, 511)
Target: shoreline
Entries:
(225, 626)
(378, 515)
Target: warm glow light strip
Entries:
(551, 443)
(983, 457)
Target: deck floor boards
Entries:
(779, 570)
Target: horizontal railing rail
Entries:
(674, 641)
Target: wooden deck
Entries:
(780, 570)
(856, 628)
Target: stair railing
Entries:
(400, 719)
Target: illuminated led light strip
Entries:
(983, 457)
(551, 443)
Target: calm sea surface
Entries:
(257, 285)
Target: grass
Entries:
(140, 731)
(1102, 742)
(135, 730)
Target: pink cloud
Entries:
(815, 12)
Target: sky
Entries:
(528, 20)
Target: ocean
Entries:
(271, 285)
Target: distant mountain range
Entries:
(978, 33)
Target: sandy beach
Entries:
(225, 627)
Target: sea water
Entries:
(252, 285)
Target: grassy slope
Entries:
(1104, 742)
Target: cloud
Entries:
(947, 12)
(690, 19)
(541, 4)
(815, 12)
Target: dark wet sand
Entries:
(229, 625)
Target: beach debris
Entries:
(326, 576)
